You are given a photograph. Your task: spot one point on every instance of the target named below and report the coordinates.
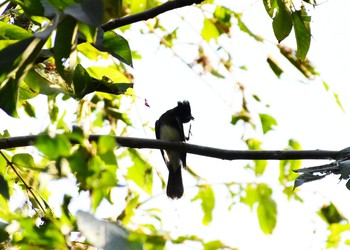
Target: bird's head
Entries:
(184, 109)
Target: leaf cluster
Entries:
(44, 56)
(64, 49)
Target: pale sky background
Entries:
(304, 111)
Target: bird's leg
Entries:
(189, 133)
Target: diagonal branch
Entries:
(219, 153)
(151, 13)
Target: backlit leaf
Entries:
(140, 172)
(65, 44)
(270, 7)
(275, 67)
(302, 34)
(24, 160)
(267, 209)
(53, 147)
(9, 97)
(267, 122)
(282, 22)
(117, 46)
(209, 30)
(207, 197)
(331, 214)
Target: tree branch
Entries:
(151, 13)
(225, 154)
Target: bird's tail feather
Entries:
(175, 188)
(331, 167)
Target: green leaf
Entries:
(245, 29)
(111, 73)
(140, 172)
(85, 84)
(267, 209)
(209, 30)
(78, 162)
(282, 22)
(129, 210)
(270, 7)
(9, 56)
(13, 32)
(275, 67)
(4, 235)
(335, 237)
(214, 244)
(15, 62)
(96, 196)
(4, 188)
(253, 144)
(251, 195)
(31, 8)
(47, 236)
(38, 80)
(112, 9)
(87, 11)
(53, 147)
(29, 109)
(243, 116)
(222, 17)
(302, 33)
(267, 212)
(9, 97)
(207, 197)
(259, 167)
(24, 160)
(117, 46)
(337, 100)
(90, 33)
(106, 146)
(267, 122)
(330, 214)
(65, 44)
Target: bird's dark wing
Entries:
(183, 138)
(157, 127)
(180, 129)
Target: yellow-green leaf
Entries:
(140, 172)
(209, 30)
(207, 197)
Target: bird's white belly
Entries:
(169, 133)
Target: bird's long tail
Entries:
(323, 169)
(175, 188)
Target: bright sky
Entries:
(304, 111)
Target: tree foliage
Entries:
(78, 51)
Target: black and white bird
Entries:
(169, 127)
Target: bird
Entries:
(169, 127)
(341, 165)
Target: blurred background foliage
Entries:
(61, 50)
